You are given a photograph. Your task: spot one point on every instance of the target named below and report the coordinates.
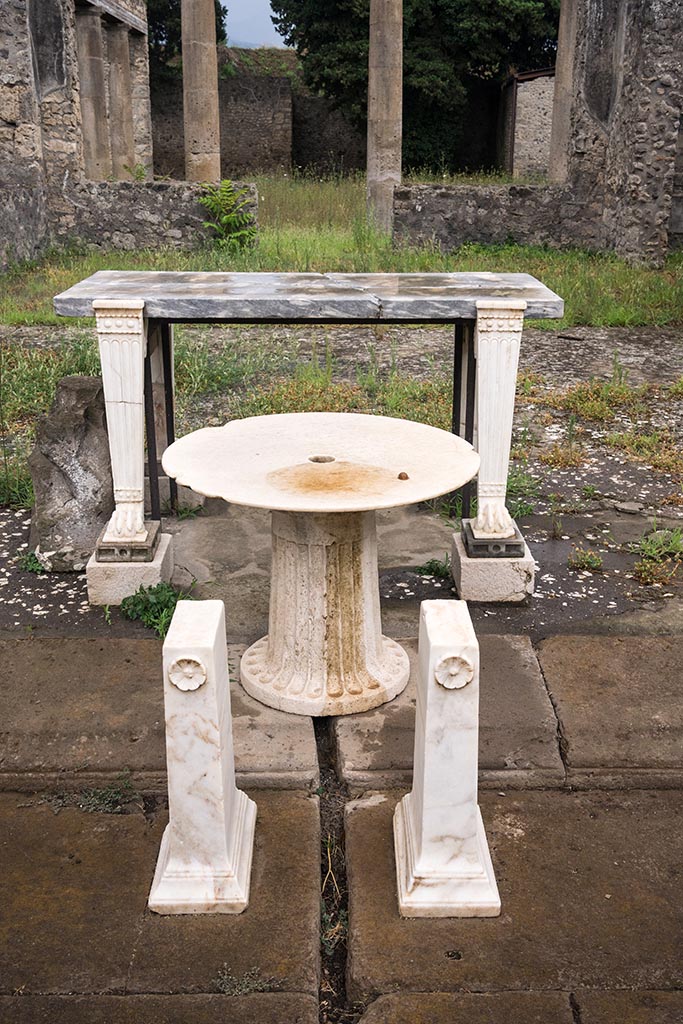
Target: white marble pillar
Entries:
(325, 653)
(205, 859)
(497, 339)
(442, 858)
(122, 338)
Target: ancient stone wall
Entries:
(135, 215)
(23, 218)
(676, 221)
(256, 125)
(619, 107)
(322, 138)
(266, 125)
(527, 214)
(533, 121)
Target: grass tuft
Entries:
(154, 606)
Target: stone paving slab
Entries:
(589, 884)
(471, 1008)
(260, 1008)
(74, 888)
(74, 709)
(620, 705)
(630, 1007)
(518, 743)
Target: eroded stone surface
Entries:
(259, 1008)
(74, 890)
(518, 744)
(71, 474)
(618, 700)
(580, 874)
(479, 1008)
(75, 709)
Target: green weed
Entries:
(658, 447)
(153, 606)
(29, 562)
(585, 560)
(229, 984)
(440, 568)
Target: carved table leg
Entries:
(122, 337)
(130, 552)
(442, 858)
(325, 653)
(498, 335)
(491, 561)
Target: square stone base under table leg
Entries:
(110, 582)
(495, 580)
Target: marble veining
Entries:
(323, 475)
(443, 866)
(204, 863)
(293, 298)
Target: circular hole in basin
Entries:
(321, 458)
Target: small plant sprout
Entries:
(589, 491)
(29, 562)
(661, 554)
(229, 984)
(434, 567)
(585, 560)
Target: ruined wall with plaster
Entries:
(533, 121)
(621, 145)
(23, 214)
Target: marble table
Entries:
(135, 311)
(323, 475)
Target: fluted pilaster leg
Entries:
(324, 653)
(498, 334)
(122, 337)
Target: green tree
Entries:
(456, 55)
(163, 19)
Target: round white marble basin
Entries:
(321, 462)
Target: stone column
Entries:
(142, 106)
(204, 864)
(120, 101)
(200, 91)
(558, 164)
(93, 94)
(385, 110)
(443, 864)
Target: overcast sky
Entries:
(249, 22)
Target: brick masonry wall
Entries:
(534, 115)
(256, 125)
(134, 215)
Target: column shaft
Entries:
(385, 109)
(93, 94)
(120, 101)
(200, 91)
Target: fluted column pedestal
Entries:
(324, 653)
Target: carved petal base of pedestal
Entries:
(465, 891)
(309, 691)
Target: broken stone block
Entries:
(71, 473)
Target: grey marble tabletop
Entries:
(300, 298)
